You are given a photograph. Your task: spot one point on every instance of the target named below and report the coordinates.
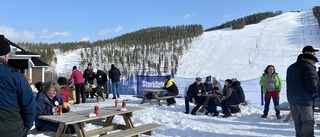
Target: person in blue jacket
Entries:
(48, 102)
(17, 101)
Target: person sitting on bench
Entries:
(229, 98)
(194, 93)
(172, 89)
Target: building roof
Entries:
(38, 63)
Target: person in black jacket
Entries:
(237, 87)
(102, 80)
(302, 88)
(88, 78)
(171, 88)
(194, 93)
(229, 99)
(114, 75)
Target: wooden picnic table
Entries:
(156, 93)
(208, 97)
(79, 118)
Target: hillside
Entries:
(245, 53)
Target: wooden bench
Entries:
(158, 98)
(38, 132)
(166, 97)
(48, 133)
(285, 106)
(144, 129)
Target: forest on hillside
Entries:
(247, 20)
(150, 51)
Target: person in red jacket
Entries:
(64, 91)
(79, 84)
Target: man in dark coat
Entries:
(302, 88)
(88, 78)
(17, 101)
(114, 75)
(194, 95)
(171, 88)
(102, 80)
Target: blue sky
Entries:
(72, 21)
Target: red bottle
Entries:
(59, 110)
(96, 110)
(124, 104)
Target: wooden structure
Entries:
(105, 119)
(285, 106)
(27, 63)
(157, 94)
(208, 97)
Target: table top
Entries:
(73, 117)
(154, 90)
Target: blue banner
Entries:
(149, 82)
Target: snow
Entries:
(226, 54)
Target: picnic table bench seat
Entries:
(285, 106)
(143, 129)
(157, 98)
(48, 133)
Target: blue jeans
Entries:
(115, 89)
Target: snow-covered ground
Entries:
(177, 124)
(226, 54)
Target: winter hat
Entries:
(198, 79)
(89, 64)
(229, 81)
(234, 79)
(94, 70)
(208, 78)
(4, 46)
(215, 79)
(62, 81)
(74, 68)
(309, 56)
(168, 77)
(309, 49)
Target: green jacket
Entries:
(277, 80)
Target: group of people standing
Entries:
(92, 76)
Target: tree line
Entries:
(247, 20)
(150, 51)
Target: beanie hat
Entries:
(89, 64)
(94, 70)
(62, 81)
(215, 79)
(229, 81)
(4, 46)
(168, 77)
(234, 79)
(208, 78)
(74, 68)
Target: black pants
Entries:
(199, 101)
(171, 100)
(212, 107)
(80, 89)
(267, 104)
